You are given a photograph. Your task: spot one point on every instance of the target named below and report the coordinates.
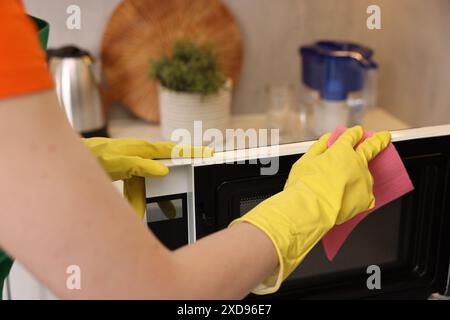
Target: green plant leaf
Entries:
(191, 68)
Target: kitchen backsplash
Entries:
(412, 46)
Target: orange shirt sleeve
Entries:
(23, 64)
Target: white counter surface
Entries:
(121, 124)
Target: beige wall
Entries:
(412, 48)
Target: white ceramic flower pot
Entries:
(179, 110)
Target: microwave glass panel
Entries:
(247, 204)
(374, 241)
(167, 218)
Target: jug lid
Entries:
(342, 50)
(336, 68)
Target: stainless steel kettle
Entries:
(78, 90)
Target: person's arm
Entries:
(59, 209)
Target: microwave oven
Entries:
(408, 239)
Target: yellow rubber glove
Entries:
(326, 186)
(131, 160)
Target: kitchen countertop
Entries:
(122, 124)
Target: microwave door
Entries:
(408, 240)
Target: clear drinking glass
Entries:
(280, 107)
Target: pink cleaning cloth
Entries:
(391, 181)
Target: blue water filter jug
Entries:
(338, 85)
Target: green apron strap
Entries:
(5, 267)
(43, 31)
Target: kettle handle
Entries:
(97, 72)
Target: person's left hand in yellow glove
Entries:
(132, 160)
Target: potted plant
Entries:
(191, 88)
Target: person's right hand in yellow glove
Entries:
(326, 186)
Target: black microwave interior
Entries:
(409, 239)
